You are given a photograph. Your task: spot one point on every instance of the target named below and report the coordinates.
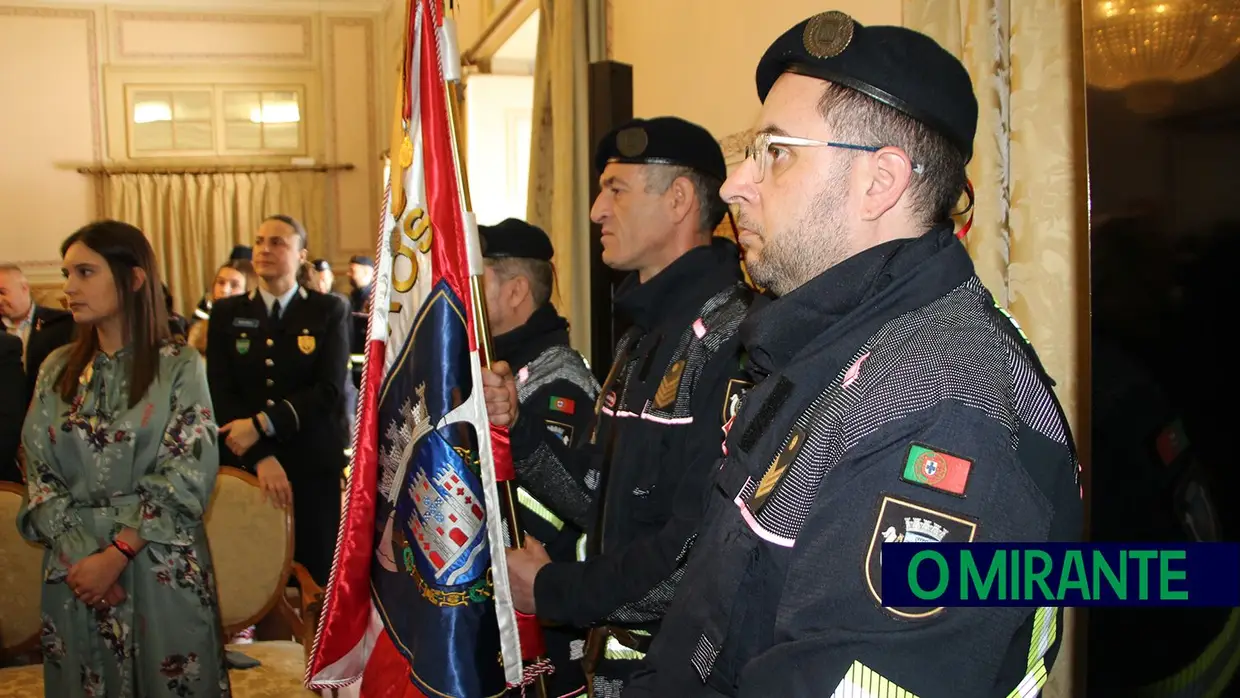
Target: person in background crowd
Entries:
(277, 360)
(554, 386)
(361, 278)
(41, 329)
(235, 278)
(896, 401)
(636, 486)
(122, 455)
(12, 405)
(177, 324)
(240, 253)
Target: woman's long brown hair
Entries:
(125, 249)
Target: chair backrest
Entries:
(21, 578)
(251, 547)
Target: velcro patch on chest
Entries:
(904, 521)
(936, 469)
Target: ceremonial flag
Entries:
(418, 601)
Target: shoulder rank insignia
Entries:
(670, 384)
(563, 431)
(936, 469)
(732, 398)
(901, 521)
(779, 466)
(306, 343)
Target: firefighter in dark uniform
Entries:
(896, 400)
(636, 486)
(554, 386)
(1150, 482)
(276, 362)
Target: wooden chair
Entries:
(252, 552)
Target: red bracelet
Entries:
(125, 548)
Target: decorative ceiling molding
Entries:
(301, 6)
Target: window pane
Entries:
(193, 135)
(149, 107)
(241, 135)
(280, 108)
(153, 135)
(282, 136)
(242, 106)
(191, 106)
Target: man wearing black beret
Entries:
(896, 401)
(636, 488)
(554, 387)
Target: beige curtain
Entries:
(559, 157)
(193, 220)
(1029, 239)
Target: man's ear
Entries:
(681, 198)
(518, 290)
(891, 173)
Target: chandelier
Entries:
(1135, 42)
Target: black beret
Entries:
(515, 238)
(321, 265)
(240, 252)
(665, 140)
(362, 260)
(899, 67)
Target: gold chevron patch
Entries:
(670, 384)
(775, 473)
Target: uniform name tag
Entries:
(245, 322)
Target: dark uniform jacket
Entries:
(53, 328)
(295, 372)
(12, 404)
(657, 435)
(1150, 484)
(896, 402)
(555, 387)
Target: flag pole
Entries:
(482, 329)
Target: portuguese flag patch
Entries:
(562, 404)
(936, 470)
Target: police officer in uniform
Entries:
(636, 487)
(896, 401)
(554, 386)
(276, 362)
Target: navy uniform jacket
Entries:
(295, 372)
(12, 404)
(555, 388)
(656, 437)
(897, 402)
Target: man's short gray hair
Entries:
(711, 209)
(536, 271)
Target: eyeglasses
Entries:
(761, 153)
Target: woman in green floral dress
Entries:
(121, 456)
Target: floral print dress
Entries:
(95, 466)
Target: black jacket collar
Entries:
(544, 329)
(878, 283)
(683, 287)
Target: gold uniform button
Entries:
(271, 403)
(270, 382)
(270, 341)
(270, 362)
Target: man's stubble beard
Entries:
(812, 245)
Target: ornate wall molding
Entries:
(123, 17)
(92, 65)
(329, 78)
(733, 146)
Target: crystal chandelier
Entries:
(1133, 42)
